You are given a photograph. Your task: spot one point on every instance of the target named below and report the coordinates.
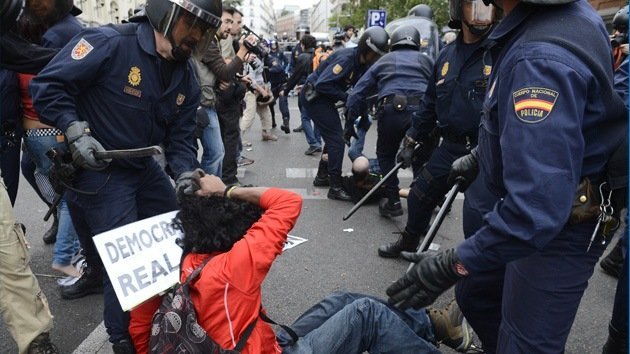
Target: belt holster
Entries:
(585, 203)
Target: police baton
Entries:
(439, 218)
(372, 191)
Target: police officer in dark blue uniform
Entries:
(120, 87)
(452, 102)
(328, 85)
(400, 78)
(550, 122)
(277, 63)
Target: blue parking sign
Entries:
(377, 18)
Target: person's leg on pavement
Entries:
(390, 132)
(283, 103)
(313, 141)
(230, 132)
(248, 114)
(618, 327)
(542, 292)
(356, 146)
(212, 143)
(23, 305)
(265, 121)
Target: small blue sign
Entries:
(377, 18)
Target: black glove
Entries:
(429, 278)
(349, 132)
(188, 183)
(83, 145)
(405, 154)
(465, 169)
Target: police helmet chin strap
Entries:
(477, 30)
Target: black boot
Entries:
(50, 236)
(91, 282)
(406, 242)
(285, 126)
(617, 342)
(390, 207)
(321, 179)
(612, 264)
(336, 190)
(123, 347)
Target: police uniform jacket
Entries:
(403, 72)
(276, 62)
(337, 74)
(455, 92)
(543, 128)
(111, 77)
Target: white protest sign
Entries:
(293, 241)
(141, 258)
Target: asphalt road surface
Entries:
(339, 255)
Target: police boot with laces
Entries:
(91, 282)
(42, 345)
(336, 190)
(50, 236)
(321, 179)
(450, 327)
(390, 207)
(406, 242)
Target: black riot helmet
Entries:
(375, 39)
(405, 36)
(620, 21)
(478, 16)
(422, 10)
(10, 12)
(202, 15)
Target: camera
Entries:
(257, 48)
(619, 39)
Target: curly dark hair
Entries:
(212, 224)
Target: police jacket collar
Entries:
(146, 38)
(512, 21)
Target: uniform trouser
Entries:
(231, 135)
(23, 305)
(392, 126)
(479, 295)
(431, 186)
(326, 118)
(283, 103)
(620, 309)
(251, 108)
(123, 196)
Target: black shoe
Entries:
(123, 347)
(390, 207)
(285, 126)
(612, 264)
(298, 129)
(338, 193)
(42, 345)
(312, 150)
(320, 181)
(404, 243)
(91, 282)
(50, 236)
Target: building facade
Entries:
(102, 12)
(258, 15)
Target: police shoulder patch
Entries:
(444, 69)
(533, 104)
(81, 49)
(337, 69)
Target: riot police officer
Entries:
(550, 122)
(453, 102)
(328, 85)
(400, 78)
(119, 87)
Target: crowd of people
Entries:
(527, 118)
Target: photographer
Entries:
(257, 98)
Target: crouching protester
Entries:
(242, 231)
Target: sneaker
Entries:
(298, 129)
(450, 326)
(389, 208)
(269, 137)
(312, 150)
(42, 345)
(244, 161)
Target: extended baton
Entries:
(439, 218)
(372, 191)
(128, 153)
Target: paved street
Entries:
(338, 255)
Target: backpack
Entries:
(175, 328)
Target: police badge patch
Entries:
(134, 76)
(534, 104)
(81, 49)
(337, 69)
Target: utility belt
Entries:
(593, 202)
(399, 102)
(468, 140)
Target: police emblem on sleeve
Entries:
(337, 69)
(534, 104)
(81, 49)
(180, 99)
(444, 69)
(134, 76)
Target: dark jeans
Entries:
(124, 196)
(283, 103)
(326, 118)
(231, 135)
(620, 308)
(354, 323)
(392, 126)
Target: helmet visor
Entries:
(476, 13)
(190, 27)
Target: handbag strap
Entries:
(288, 329)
